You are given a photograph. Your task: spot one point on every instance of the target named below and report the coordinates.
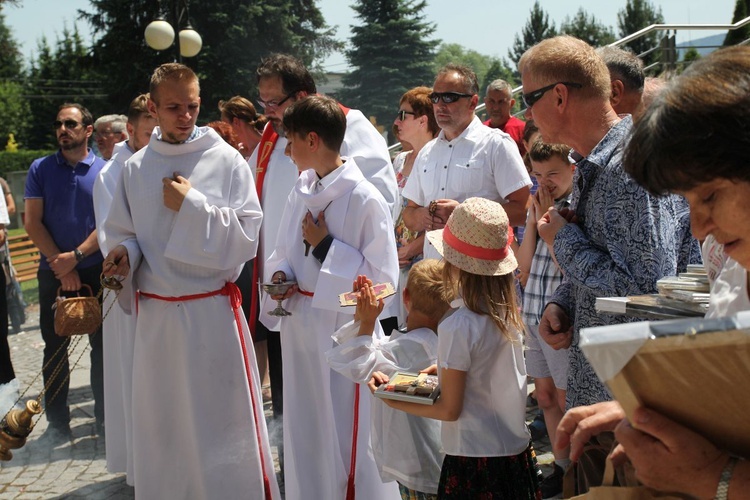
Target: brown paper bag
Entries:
(630, 491)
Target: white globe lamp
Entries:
(160, 35)
(190, 42)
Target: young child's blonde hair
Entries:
(494, 296)
(426, 288)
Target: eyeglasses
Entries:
(69, 124)
(532, 97)
(401, 115)
(447, 97)
(106, 133)
(273, 104)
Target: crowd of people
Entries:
(498, 237)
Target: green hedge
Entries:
(19, 160)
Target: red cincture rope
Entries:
(235, 300)
(355, 428)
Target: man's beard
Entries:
(73, 144)
(277, 125)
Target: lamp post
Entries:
(159, 34)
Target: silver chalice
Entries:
(278, 289)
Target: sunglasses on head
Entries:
(447, 97)
(532, 97)
(401, 115)
(68, 124)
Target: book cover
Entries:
(412, 387)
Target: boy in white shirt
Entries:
(335, 227)
(406, 448)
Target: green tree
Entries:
(537, 28)
(741, 9)
(498, 69)
(636, 15)
(454, 53)
(66, 73)
(390, 53)
(14, 109)
(11, 61)
(236, 35)
(587, 28)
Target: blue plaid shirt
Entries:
(544, 278)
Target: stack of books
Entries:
(682, 296)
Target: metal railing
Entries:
(630, 38)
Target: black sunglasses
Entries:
(271, 104)
(532, 97)
(447, 97)
(401, 115)
(69, 124)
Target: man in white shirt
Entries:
(465, 160)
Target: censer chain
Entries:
(112, 284)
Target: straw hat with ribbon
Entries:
(477, 238)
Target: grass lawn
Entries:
(30, 291)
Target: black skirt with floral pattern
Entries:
(490, 478)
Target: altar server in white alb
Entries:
(185, 218)
(335, 226)
(120, 319)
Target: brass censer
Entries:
(16, 427)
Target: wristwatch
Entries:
(726, 476)
(79, 255)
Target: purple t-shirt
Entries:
(68, 201)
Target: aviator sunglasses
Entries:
(69, 124)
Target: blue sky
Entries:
(481, 25)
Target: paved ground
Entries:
(76, 470)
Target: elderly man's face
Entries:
(106, 139)
(498, 104)
(453, 118)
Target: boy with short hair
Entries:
(407, 448)
(335, 226)
(184, 219)
(554, 173)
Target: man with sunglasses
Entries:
(616, 239)
(466, 159)
(60, 221)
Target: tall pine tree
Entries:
(741, 10)
(14, 108)
(390, 53)
(64, 73)
(236, 36)
(636, 15)
(537, 28)
(587, 28)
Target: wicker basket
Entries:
(77, 315)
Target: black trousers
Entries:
(6, 365)
(57, 409)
